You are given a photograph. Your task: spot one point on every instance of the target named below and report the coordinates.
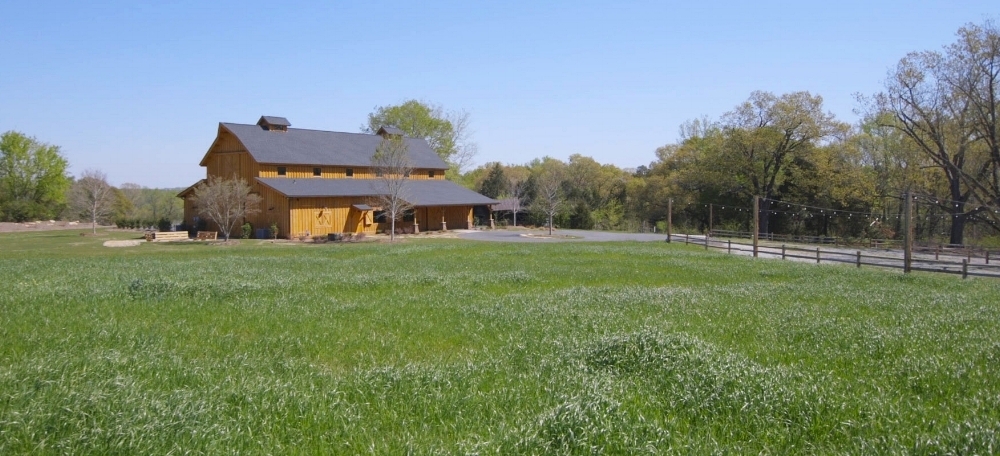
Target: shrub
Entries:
(163, 224)
(247, 231)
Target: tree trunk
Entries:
(550, 224)
(957, 228)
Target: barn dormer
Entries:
(272, 123)
(388, 132)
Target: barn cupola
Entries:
(390, 132)
(272, 123)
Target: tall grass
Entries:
(462, 347)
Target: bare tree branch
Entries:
(392, 167)
(93, 196)
(226, 202)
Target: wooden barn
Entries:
(314, 182)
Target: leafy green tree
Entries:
(766, 133)
(581, 217)
(495, 183)
(447, 132)
(33, 179)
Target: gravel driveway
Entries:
(576, 235)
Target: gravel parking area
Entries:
(559, 236)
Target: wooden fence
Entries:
(965, 264)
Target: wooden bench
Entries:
(167, 236)
(208, 235)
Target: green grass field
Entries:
(463, 347)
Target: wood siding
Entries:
(306, 172)
(421, 174)
(321, 216)
(273, 209)
(456, 217)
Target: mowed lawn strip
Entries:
(451, 346)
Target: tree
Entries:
(447, 132)
(33, 179)
(517, 188)
(549, 196)
(940, 102)
(227, 202)
(973, 72)
(495, 183)
(764, 134)
(93, 196)
(392, 165)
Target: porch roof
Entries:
(428, 192)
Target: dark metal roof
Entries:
(184, 193)
(362, 207)
(324, 148)
(390, 131)
(274, 120)
(429, 192)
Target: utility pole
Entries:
(710, 218)
(907, 232)
(756, 224)
(670, 213)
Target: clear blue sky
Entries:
(137, 89)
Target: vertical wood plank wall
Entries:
(320, 216)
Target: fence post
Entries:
(968, 252)
(729, 247)
(987, 257)
(782, 251)
(937, 252)
(686, 238)
(859, 259)
(965, 269)
(817, 255)
(707, 237)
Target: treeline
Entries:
(932, 134)
(35, 185)
(135, 206)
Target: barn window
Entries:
(350, 172)
(317, 171)
(430, 174)
(408, 215)
(282, 170)
(380, 216)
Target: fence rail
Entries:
(967, 264)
